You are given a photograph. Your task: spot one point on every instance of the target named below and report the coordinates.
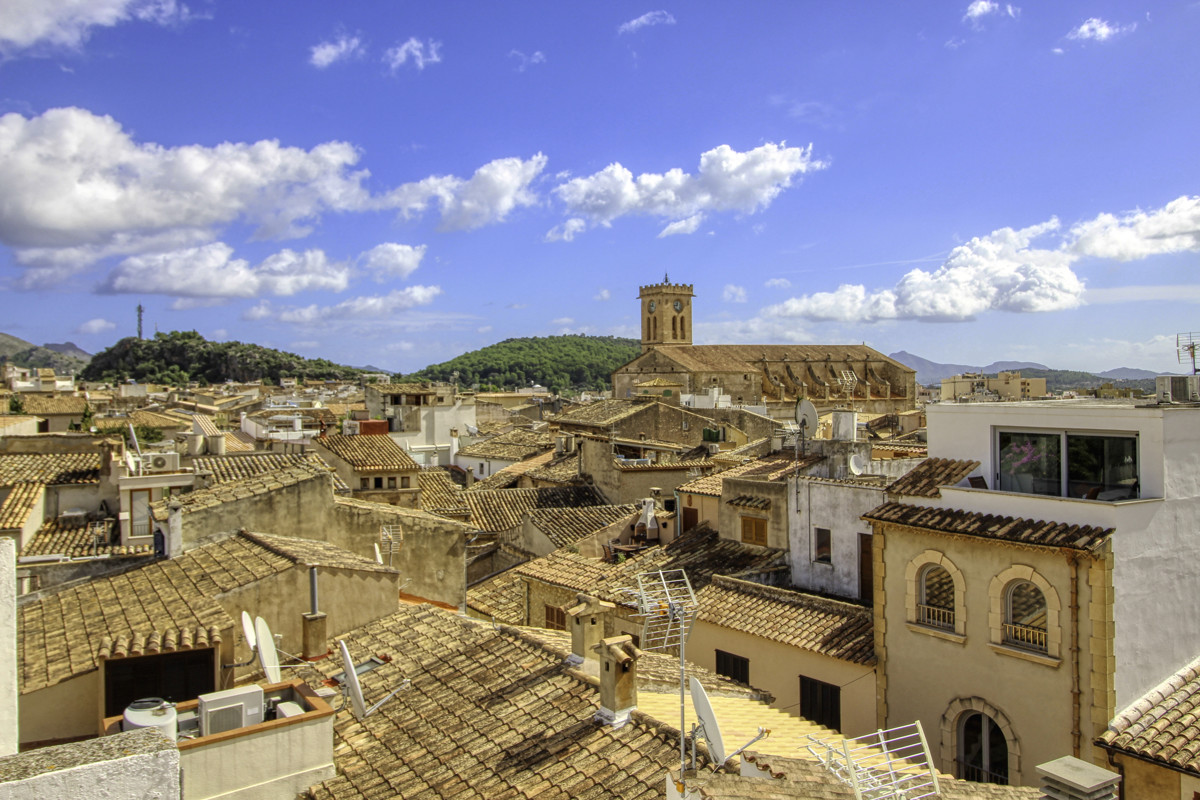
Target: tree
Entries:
(16, 405)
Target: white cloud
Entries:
(1179, 293)
(778, 283)
(356, 308)
(420, 53)
(978, 10)
(646, 20)
(726, 181)
(734, 294)
(997, 272)
(1174, 228)
(67, 23)
(567, 231)
(682, 226)
(603, 294)
(94, 326)
(391, 260)
(340, 49)
(1098, 30)
(484, 329)
(524, 61)
(562, 321)
(211, 271)
(488, 196)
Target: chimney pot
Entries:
(618, 679)
(589, 617)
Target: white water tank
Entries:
(151, 712)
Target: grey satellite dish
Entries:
(267, 654)
(858, 464)
(248, 632)
(806, 418)
(357, 703)
(708, 722)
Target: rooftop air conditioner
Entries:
(230, 709)
(160, 462)
(1177, 388)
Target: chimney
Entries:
(174, 543)
(216, 445)
(470, 477)
(588, 620)
(845, 425)
(1070, 778)
(618, 679)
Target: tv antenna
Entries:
(667, 605)
(352, 688)
(391, 537)
(879, 766)
(1185, 347)
(806, 419)
(708, 729)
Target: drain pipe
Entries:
(1076, 690)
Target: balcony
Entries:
(1027, 637)
(935, 616)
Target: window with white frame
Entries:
(1090, 466)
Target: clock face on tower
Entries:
(653, 306)
(678, 306)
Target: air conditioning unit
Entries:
(230, 709)
(1177, 388)
(160, 462)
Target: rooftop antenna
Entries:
(251, 641)
(667, 605)
(391, 537)
(878, 766)
(267, 654)
(1185, 347)
(352, 688)
(806, 418)
(140, 310)
(710, 731)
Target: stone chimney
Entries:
(588, 619)
(174, 543)
(618, 679)
(845, 425)
(470, 477)
(1070, 778)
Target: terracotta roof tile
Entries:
(516, 445)
(750, 501)
(16, 508)
(600, 414)
(564, 526)
(43, 405)
(925, 479)
(771, 467)
(140, 419)
(239, 467)
(49, 468)
(76, 541)
(440, 494)
(830, 627)
(8, 420)
(369, 453)
(991, 526)
(504, 509)
(1163, 725)
(231, 491)
(563, 469)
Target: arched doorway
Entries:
(982, 749)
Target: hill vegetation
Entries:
(180, 356)
(557, 362)
(27, 354)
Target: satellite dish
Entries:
(378, 555)
(858, 464)
(248, 632)
(357, 703)
(806, 418)
(708, 722)
(266, 650)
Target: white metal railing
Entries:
(139, 528)
(892, 763)
(935, 616)
(1026, 636)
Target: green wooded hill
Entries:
(557, 362)
(27, 354)
(180, 356)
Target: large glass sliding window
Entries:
(1102, 467)
(1064, 464)
(1031, 462)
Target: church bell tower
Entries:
(666, 314)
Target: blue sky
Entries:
(396, 183)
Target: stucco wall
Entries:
(777, 515)
(8, 646)
(837, 507)
(119, 767)
(62, 711)
(777, 668)
(1145, 781)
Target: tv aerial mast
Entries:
(1185, 348)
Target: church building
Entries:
(775, 375)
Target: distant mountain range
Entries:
(62, 358)
(933, 372)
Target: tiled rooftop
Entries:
(1163, 726)
(9, 420)
(925, 479)
(600, 414)
(748, 357)
(140, 419)
(991, 526)
(49, 468)
(239, 467)
(503, 509)
(41, 405)
(369, 453)
(74, 541)
(508, 476)
(206, 425)
(831, 627)
(402, 388)
(563, 469)
(769, 468)
(564, 526)
(232, 491)
(491, 713)
(516, 445)
(662, 466)
(440, 494)
(501, 597)
(16, 508)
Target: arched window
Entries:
(682, 334)
(674, 327)
(982, 749)
(1025, 616)
(935, 606)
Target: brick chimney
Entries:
(618, 679)
(588, 619)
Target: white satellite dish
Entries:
(806, 418)
(378, 555)
(267, 654)
(858, 464)
(357, 703)
(708, 722)
(248, 632)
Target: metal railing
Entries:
(1025, 636)
(139, 528)
(977, 774)
(935, 616)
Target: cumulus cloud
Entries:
(562, 321)
(603, 294)
(734, 294)
(488, 196)
(682, 226)
(1098, 30)
(567, 231)
(1174, 228)
(646, 20)
(98, 325)
(997, 272)
(778, 283)
(390, 260)
(356, 308)
(978, 10)
(727, 180)
(210, 271)
(340, 49)
(67, 23)
(524, 61)
(414, 50)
